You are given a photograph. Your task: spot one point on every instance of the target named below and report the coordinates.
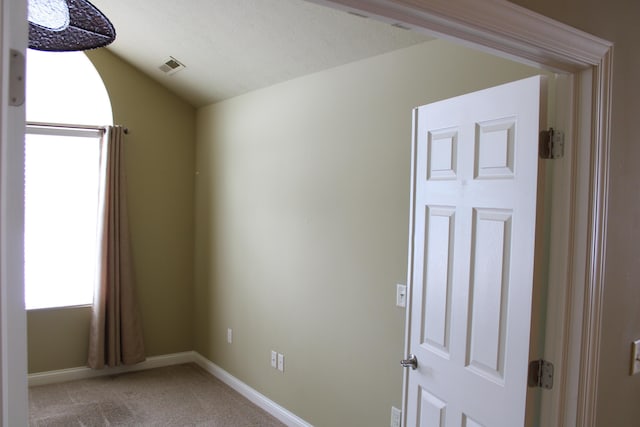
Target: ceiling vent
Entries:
(171, 66)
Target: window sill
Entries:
(64, 307)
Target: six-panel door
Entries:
(474, 212)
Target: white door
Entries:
(475, 160)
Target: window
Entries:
(61, 213)
(66, 104)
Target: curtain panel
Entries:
(116, 329)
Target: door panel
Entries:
(437, 306)
(432, 410)
(488, 293)
(474, 213)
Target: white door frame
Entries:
(13, 324)
(505, 29)
(495, 26)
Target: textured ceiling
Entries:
(230, 47)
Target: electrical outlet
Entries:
(395, 416)
(281, 362)
(635, 357)
(274, 359)
(401, 295)
(229, 335)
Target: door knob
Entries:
(411, 362)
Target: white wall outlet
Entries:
(401, 295)
(635, 357)
(229, 335)
(395, 416)
(274, 359)
(281, 362)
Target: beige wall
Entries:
(160, 163)
(302, 207)
(57, 338)
(617, 21)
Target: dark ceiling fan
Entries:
(68, 25)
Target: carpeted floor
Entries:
(181, 395)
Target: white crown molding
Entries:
(498, 25)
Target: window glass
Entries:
(61, 177)
(65, 87)
(61, 214)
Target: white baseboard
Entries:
(79, 373)
(258, 399)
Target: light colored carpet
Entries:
(181, 395)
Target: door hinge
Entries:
(551, 145)
(541, 374)
(16, 78)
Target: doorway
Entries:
(600, 173)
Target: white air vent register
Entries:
(171, 66)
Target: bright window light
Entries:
(61, 178)
(61, 214)
(65, 87)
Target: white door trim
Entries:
(13, 323)
(506, 29)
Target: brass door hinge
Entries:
(551, 144)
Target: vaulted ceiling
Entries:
(230, 47)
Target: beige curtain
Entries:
(116, 330)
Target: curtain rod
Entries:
(64, 125)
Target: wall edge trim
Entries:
(257, 398)
(84, 372)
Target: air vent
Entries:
(171, 66)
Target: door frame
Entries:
(511, 31)
(13, 323)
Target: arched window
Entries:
(67, 108)
(65, 88)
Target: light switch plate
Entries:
(274, 359)
(229, 335)
(281, 362)
(396, 414)
(635, 357)
(401, 295)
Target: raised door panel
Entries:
(437, 279)
(433, 411)
(489, 288)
